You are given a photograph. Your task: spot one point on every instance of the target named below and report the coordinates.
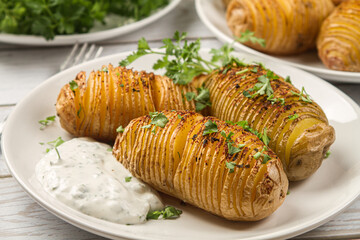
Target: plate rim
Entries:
(63, 40)
(328, 74)
(294, 231)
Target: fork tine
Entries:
(70, 56)
(89, 53)
(99, 51)
(81, 53)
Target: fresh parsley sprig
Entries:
(181, 59)
(169, 212)
(45, 122)
(303, 95)
(210, 127)
(54, 144)
(202, 98)
(248, 36)
(157, 119)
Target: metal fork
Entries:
(81, 54)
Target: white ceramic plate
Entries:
(212, 14)
(310, 203)
(92, 36)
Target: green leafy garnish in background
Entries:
(48, 18)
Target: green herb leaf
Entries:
(327, 154)
(293, 117)
(249, 36)
(47, 121)
(303, 95)
(190, 96)
(287, 79)
(210, 127)
(169, 212)
(120, 129)
(230, 166)
(158, 119)
(128, 179)
(242, 71)
(73, 85)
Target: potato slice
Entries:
(288, 27)
(195, 167)
(293, 127)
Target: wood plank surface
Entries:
(22, 218)
(22, 68)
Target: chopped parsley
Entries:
(266, 157)
(73, 85)
(287, 79)
(245, 125)
(45, 122)
(120, 129)
(79, 111)
(105, 69)
(327, 154)
(128, 179)
(293, 117)
(230, 166)
(249, 36)
(157, 119)
(230, 143)
(242, 71)
(54, 144)
(202, 99)
(169, 212)
(210, 127)
(109, 149)
(303, 95)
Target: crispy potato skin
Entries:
(180, 161)
(300, 143)
(110, 98)
(288, 27)
(339, 39)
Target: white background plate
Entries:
(88, 37)
(310, 203)
(212, 14)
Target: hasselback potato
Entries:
(339, 39)
(288, 27)
(299, 131)
(184, 159)
(114, 96)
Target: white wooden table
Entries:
(22, 68)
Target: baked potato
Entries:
(339, 39)
(184, 159)
(337, 2)
(298, 129)
(288, 27)
(112, 97)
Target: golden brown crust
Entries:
(306, 136)
(180, 161)
(114, 97)
(339, 39)
(288, 27)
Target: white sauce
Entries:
(88, 178)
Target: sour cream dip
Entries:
(88, 178)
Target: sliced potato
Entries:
(114, 96)
(181, 161)
(339, 39)
(288, 27)
(298, 129)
